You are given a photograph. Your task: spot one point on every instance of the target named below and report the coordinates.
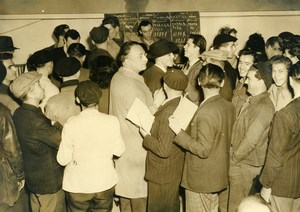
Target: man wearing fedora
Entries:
(162, 52)
(62, 106)
(7, 45)
(39, 141)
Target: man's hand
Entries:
(265, 193)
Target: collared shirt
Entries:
(280, 96)
(250, 130)
(89, 142)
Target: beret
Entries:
(38, 58)
(223, 38)
(99, 34)
(22, 83)
(176, 80)
(88, 92)
(161, 48)
(67, 66)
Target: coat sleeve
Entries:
(119, 142)
(65, 150)
(206, 129)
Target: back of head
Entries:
(286, 38)
(176, 80)
(102, 70)
(295, 72)
(211, 76)
(255, 43)
(112, 20)
(88, 93)
(73, 34)
(2, 72)
(67, 66)
(227, 30)
(76, 50)
(60, 30)
(38, 59)
(99, 34)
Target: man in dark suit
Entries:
(206, 166)
(165, 159)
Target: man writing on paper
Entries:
(205, 174)
(125, 86)
(165, 159)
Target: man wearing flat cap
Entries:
(42, 62)
(39, 141)
(90, 140)
(62, 106)
(99, 36)
(249, 140)
(164, 162)
(223, 49)
(162, 51)
(205, 173)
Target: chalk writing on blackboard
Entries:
(174, 26)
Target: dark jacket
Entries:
(11, 162)
(207, 158)
(164, 162)
(39, 142)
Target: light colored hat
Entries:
(20, 86)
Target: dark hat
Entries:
(88, 92)
(223, 38)
(176, 80)
(22, 83)
(161, 48)
(2, 72)
(60, 30)
(99, 34)
(39, 58)
(67, 66)
(265, 72)
(6, 44)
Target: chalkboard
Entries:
(174, 26)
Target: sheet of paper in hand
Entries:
(140, 115)
(185, 112)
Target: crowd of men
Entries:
(66, 144)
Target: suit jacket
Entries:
(194, 90)
(153, 77)
(207, 158)
(39, 142)
(164, 162)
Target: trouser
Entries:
(133, 204)
(100, 201)
(241, 178)
(196, 202)
(282, 204)
(48, 202)
(163, 197)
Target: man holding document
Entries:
(205, 173)
(165, 159)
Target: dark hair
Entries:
(112, 20)
(227, 30)
(295, 72)
(281, 59)
(286, 38)
(293, 44)
(125, 49)
(3, 72)
(143, 23)
(60, 30)
(73, 34)
(275, 39)
(211, 76)
(76, 50)
(200, 41)
(256, 43)
(248, 52)
(102, 70)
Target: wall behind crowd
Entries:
(31, 22)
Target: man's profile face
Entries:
(136, 59)
(113, 32)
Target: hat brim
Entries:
(172, 48)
